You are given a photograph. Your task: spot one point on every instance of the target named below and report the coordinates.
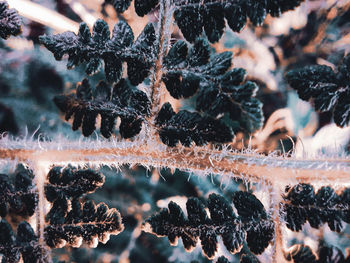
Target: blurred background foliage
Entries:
(318, 32)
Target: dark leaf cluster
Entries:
(20, 197)
(123, 100)
(329, 90)
(71, 182)
(302, 203)
(10, 22)
(195, 16)
(25, 244)
(113, 50)
(86, 222)
(325, 254)
(188, 127)
(251, 225)
(142, 7)
(72, 221)
(220, 90)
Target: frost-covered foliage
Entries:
(10, 22)
(195, 16)
(252, 225)
(188, 127)
(128, 103)
(71, 220)
(326, 206)
(303, 253)
(25, 243)
(92, 48)
(220, 90)
(186, 72)
(329, 90)
(176, 89)
(20, 197)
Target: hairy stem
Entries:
(200, 160)
(278, 244)
(40, 171)
(162, 44)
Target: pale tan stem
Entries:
(255, 168)
(40, 170)
(278, 244)
(43, 15)
(162, 43)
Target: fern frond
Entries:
(124, 101)
(325, 254)
(188, 127)
(71, 182)
(252, 225)
(26, 244)
(19, 198)
(10, 22)
(329, 90)
(92, 48)
(326, 206)
(71, 221)
(83, 222)
(195, 16)
(220, 90)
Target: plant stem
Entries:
(278, 244)
(40, 171)
(162, 45)
(201, 160)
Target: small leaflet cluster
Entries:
(25, 244)
(195, 16)
(251, 225)
(20, 197)
(91, 49)
(123, 100)
(188, 127)
(10, 22)
(325, 254)
(219, 91)
(329, 90)
(70, 220)
(302, 204)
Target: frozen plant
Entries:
(137, 107)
